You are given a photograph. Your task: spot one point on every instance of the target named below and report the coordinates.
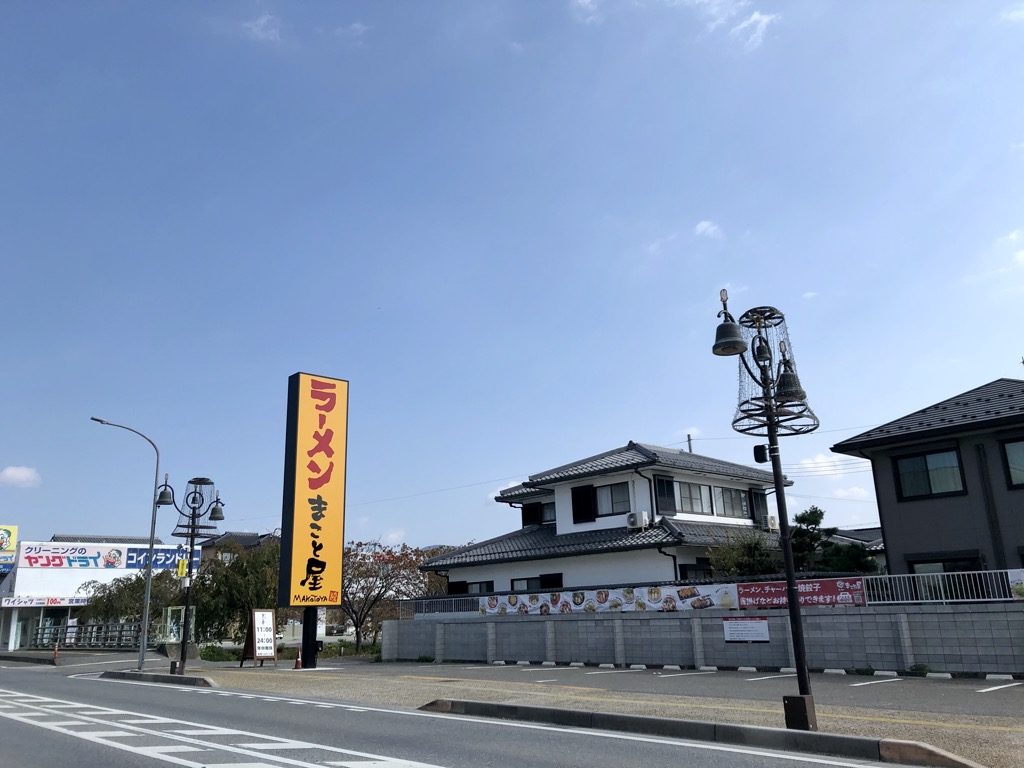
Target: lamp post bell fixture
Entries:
(201, 503)
(772, 402)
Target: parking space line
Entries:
(876, 682)
(769, 677)
(998, 687)
(686, 674)
(614, 671)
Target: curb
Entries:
(158, 677)
(857, 747)
(30, 659)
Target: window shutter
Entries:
(458, 588)
(584, 504)
(759, 506)
(532, 513)
(551, 581)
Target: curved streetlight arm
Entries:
(144, 629)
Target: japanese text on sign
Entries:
(772, 594)
(313, 519)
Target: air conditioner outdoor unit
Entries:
(771, 523)
(637, 519)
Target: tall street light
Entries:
(144, 629)
(772, 402)
(201, 502)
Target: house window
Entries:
(699, 570)
(479, 587)
(537, 513)
(731, 502)
(929, 474)
(613, 499)
(1013, 463)
(537, 583)
(676, 496)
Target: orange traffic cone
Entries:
(298, 661)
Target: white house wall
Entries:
(640, 500)
(583, 570)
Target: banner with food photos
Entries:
(623, 599)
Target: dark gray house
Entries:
(949, 481)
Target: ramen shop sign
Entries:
(313, 507)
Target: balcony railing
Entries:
(959, 587)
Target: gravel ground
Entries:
(996, 742)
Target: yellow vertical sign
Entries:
(182, 568)
(313, 520)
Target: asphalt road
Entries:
(66, 715)
(970, 697)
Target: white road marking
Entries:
(277, 745)
(370, 764)
(998, 687)
(797, 758)
(614, 671)
(181, 737)
(551, 680)
(546, 669)
(686, 674)
(207, 731)
(876, 682)
(167, 748)
(768, 677)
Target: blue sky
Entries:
(505, 223)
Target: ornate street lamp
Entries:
(201, 502)
(144, 628)
(772, 402)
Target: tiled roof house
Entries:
(639, 513)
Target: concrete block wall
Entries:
(969, 638)
(657, 642)
(520, 641)
(465, 642)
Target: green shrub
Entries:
(217, 653)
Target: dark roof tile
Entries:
(541, 542)
(991, 404)
(634, 456)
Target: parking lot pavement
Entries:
(956, 715)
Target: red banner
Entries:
(769, 594)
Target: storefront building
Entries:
(45, 587)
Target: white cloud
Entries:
(656, 246)
(394, 536)
(752, 30)
(588, 11)
(708, 229)
(717, 12)
(810, 294)
(20, 477)
(853, 492)
(354, 32)
(263, 29)
(1014, 236)
(1014, 15)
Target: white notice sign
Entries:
(264, 626)
(746, 629)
